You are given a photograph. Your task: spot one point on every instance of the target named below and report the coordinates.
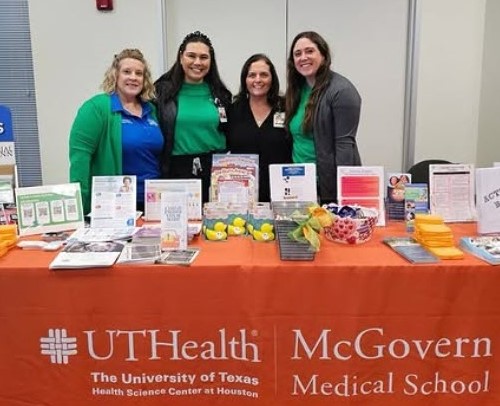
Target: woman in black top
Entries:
(257, 120)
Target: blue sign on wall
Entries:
(6, 133)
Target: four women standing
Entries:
(117, 133)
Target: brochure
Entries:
(97, 234)
(113, 201)
(395, 197)
(486, 248)
(416, 202)
(155, 187)
(411, 250)
(235, 178)
(293, 182)
(179, 257)
(49, 209)
(488, 200)
(362, 186)
(451, 192)
(174, 223)
(78, 255)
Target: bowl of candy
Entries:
(351, 224)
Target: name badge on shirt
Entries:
(222, 114)
(279, 119)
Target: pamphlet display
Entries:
(416, 202)
(293, 182)
(234, 178)
(174, 221)
(395, 197)
(363, 186)
(451, 191)
(155, 187)
(113, 201)
(49, 209)
(488, 200)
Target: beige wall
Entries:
(488, 146)
(73, 44)
(449, 78)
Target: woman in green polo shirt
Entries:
(193, 105)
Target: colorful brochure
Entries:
(235, 178)
(174, 221)
(395, 197)
(362, 186)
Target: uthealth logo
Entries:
(58, 345)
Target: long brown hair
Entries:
(296, 81)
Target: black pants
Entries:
(193, 167)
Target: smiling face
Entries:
(195, 61)
(307, 59)
(129, 79)
(258, 79)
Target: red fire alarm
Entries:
(104, 5)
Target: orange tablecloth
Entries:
(357, 326)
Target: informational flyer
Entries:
(362, 186)
(395, 197)
(293, 182)
(113, 201)
(155, 187)
(451, 192)
(234, 178)
(49, 209)
(174, 222)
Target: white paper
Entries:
(174, 222)
(293, 182)
(488, 200)
(451, 192)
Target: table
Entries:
(357, 326)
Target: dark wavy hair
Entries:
(273, 97)
(176, 73)
(296, 80)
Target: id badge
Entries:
(279, 119)
(222, 114)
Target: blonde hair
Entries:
(109, 82)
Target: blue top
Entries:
(142, 144)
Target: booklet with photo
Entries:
(178, 257)
(78, 255)
(411, 250)
(134, 253)
(486, 248)
(395, 197)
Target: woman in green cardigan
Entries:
(116, 132)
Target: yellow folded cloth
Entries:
(421, 218)
(447, 252)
